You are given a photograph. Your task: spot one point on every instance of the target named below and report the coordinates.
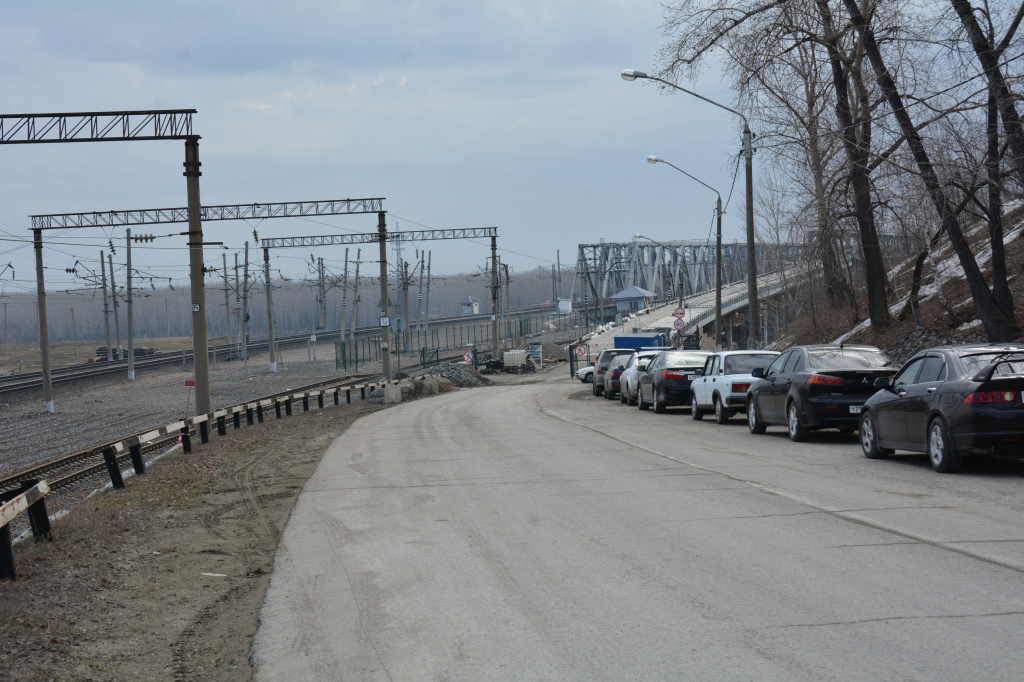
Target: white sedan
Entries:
(721, 387)
(585, 374)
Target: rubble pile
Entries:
(920, 338)
(458, 374)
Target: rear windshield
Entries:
(680, 358)
(847, 358)
(745, 364)
(1008, 363)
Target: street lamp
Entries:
(748, 154)
(718, 248)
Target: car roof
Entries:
(725, 353)
(835, 346)
(972, 348)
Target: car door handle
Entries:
(902, 394)
(933, 389)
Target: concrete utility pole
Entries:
(558, 264)
(426, 312)
(238, 306)
(419, 295)
(323, 298)
(7, 345)
(106, 308)
(405, 305)
(494, 298)
(355, 298)
(508, 308)
(385, 305)
(115, 305)
(200, 345)
(344, 298)
(74, 334)
(227, 304)
(44, 332)
(586, 297)
(245, 306)
(270, 309)
(718, 275)
(748, 155)
(131, 319)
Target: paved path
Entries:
(531, 532)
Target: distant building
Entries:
(470, 306)
(632, 299)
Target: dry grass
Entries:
(832, 323)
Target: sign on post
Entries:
(468, 356)
(581, 350)
(385, 321)
(679, 323)
(679, 312)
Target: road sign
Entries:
(679, 323)
(581, 350)
(679, 312)
(385, 321)
(195, 307)
(468, 356)
(190, 382)
(400, 324)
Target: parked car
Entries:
(601, 366)
(630, 379)
(815, 387)
(613, 375)
(949, 402)
(585, 374)
(667, 379)
(721, 387)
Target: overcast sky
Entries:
(462, 114)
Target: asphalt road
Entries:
(533, 532)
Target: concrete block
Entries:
(392, 394)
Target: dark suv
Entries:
(601, 366)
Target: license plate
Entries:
(691, 377)
(854, 409)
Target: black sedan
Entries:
(815, 387)
(950, 402)
(668, 378)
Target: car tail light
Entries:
(740, 388)
(826, 379)
(990, 397)
(674, 374)
(616, 372)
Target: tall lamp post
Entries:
(718, 247)
(748, 154)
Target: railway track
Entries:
(65, 470)
(64, 375)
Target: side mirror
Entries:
(881, 382)
(699, 373)
(758, 372)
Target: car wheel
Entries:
(940, 448)
(609, 395)
(754, 418)
(598, 390)
(722, 415)
(640, 400)
(633, 401)
(659, 405)
(588, 378)
(797, 432)
(695, 411)
(622, 396)
(869, 438)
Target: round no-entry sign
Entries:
(468, 356)
(679, 312)
(679, 323)
(581, 350)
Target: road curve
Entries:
(534, 532)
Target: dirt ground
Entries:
(164, 580)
